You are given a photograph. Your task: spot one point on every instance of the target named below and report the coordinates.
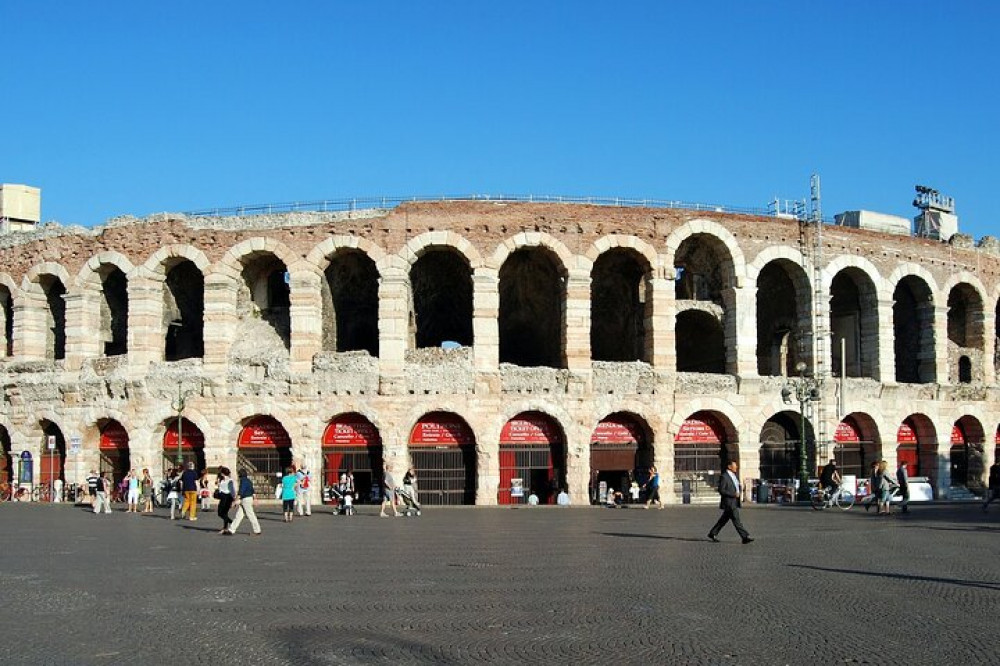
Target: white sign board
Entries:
(75, 445)
(517, 487)
(50, 442)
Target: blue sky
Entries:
(119, 108)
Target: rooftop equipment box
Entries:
(20, 203)
(866, 219)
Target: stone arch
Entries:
(168, 256)
(784, 314)
(45, 286)
(716, 230)
(103, 281)
(621, 305)
(532, 313)
(9, 293)
(232, 263)
(967, 453)
(966, 330)
(441, 446)
(536, 239)
(238, 417)
(537, 450)
(88, 278)
(913, 299)
(621, 450)
(419, 244)
(854, 316)
(351, 271)
(857, 443)
(441, 297)
(319, 256)
(619, 241)
(703, 445)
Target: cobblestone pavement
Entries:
(504, 586)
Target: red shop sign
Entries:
(906, 434)
(193, 437)
(700, 430)
(530, 429)
(264, 433)
(441, 430)
(847, 431)
(351, 431)
(114, 437)
(617, 431)
(957, 436)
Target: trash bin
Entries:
(686, 491)
(762, 492)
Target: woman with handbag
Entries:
(225, 492)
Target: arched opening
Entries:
(916, 442)
(113, 310)
(621, 451)
(441, 280)
(6, 462)
(443, 457)
(350, 303)
(352, 446)
(967, 454)
(783, 313)
(6, 321)
(703, 268)
(191, 446)
(965, 332)
(913, 331)
(704, 445)
(854, 322)
(114, 451)
(780, 441)
(183, 311)
(532, 459)
(55, 317)
(532, 309)
(619, 306)
(700, 342)
(856, 445)
(964, 370)
(53, 459)
(263, 303)
(264, 450)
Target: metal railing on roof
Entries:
(367, 203)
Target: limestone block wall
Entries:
(247, 370)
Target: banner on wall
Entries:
(617, 431)
(114, 437)
(906, 434)
(264, 433)
(847, 432)
(193, 437)
(346, 432)
(530, 429)
(701, 429)
(441, 430)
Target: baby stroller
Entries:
(410, 506)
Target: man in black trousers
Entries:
(729, 489)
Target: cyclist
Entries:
(829, 479)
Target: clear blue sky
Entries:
(135, 107)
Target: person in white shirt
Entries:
(303, 501)
(563, 498)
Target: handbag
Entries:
(217, 494)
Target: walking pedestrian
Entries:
(102, 491)
(225, 493)
(993, 492)
(903, 479)
(204, 492)
(388, 495)
(303, 497)
(92, 487)
(289, 489)
(730, 503)
(132, 492)
(884, 486)
(653, 488)
(146, 488)
(173, 484)
(873, 482)
(189, 485)
(245, 507)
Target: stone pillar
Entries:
(146, 333)
(219, 324)
(29, 327)
(944, 467)
(306, 314)
(941, 364)
(83, 329)
(393, 328)
(660, 337)
(740, 322)
(485, 320)
(989, 346)
(886, 370)
(487, 467)
(576, 324)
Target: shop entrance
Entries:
(192, 445)
(532, 459)
(114, 451)
(351, 443)
(907, 449)
(852, 452)
(264, 450)
(53, 459)
(443, 456)
(620, 453)
(702, 449)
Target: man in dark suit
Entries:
(729, 489)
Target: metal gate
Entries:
(264, 467)
(445, 475)
(534, 466)
(696, 469)
(365, 464)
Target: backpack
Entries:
(304, 482)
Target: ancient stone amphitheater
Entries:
(497, 348)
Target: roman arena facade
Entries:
(493, 345)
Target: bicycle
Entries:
(41, 494)
(822, 498)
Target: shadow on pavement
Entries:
(986, 585)
(653, 536)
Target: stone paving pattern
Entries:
(525, 585)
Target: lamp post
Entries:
(178, 406)
(805, 390)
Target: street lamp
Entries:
(178, 406)
(806, 390)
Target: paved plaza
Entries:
(500, 585)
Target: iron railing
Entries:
(367, 203)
